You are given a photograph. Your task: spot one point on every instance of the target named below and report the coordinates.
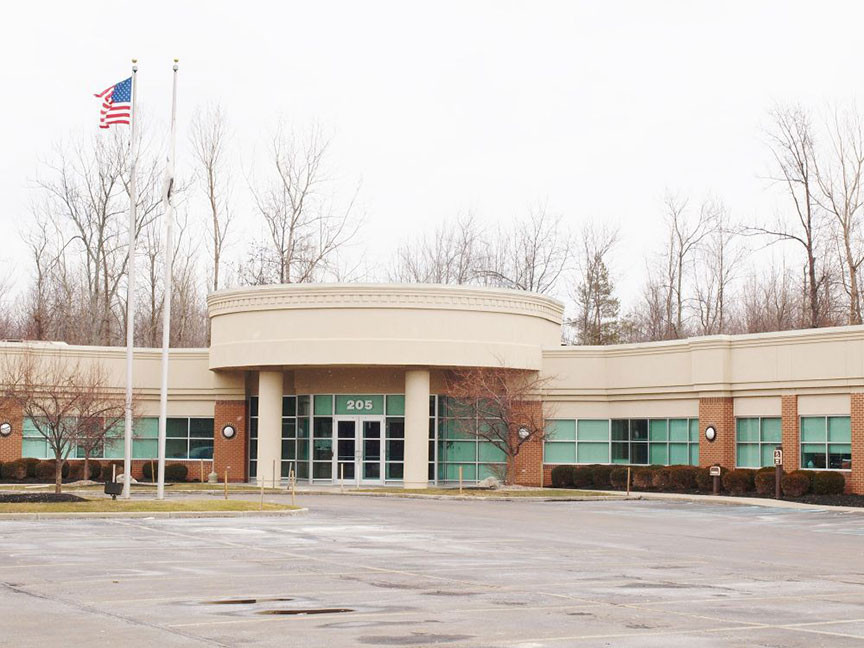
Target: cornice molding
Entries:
(384, 296)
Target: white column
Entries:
(269, 427)
(416, 428)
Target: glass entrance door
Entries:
(359, 456)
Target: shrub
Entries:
(45, 470)
(795, 484)
(16, 470)
(105, 475)
(661, 478)
(643, 478)
(738, 481)
(764, 481)
(149, 466)
(30, 463)
(600, 476)
(562, 476)
(705, 482)
(95, 469)
(583, 476)
(618, 478)
(682, 478)
(176, 472)
(828, 483)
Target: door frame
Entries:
(358, 421)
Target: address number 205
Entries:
(359, 405)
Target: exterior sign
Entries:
(359, 405)
(778, 457)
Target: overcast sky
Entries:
(596, 108)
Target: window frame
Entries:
(827, 443)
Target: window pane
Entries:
(395, 471)
(288, 450)
(621, 453)
(490, 470)
(839, 429)
(639, 431)
(302, 468)
(767, 454)
(456, 429)
(694, 430)
(37, 448)
(620, 430)
(694, 454)
(201, 428)
(302, 449)
(658, 454)
(677, 454)
(253, 450)
(146, 428)
(394, 428)
(772, 431)
(658, 430)
(813, 429)
(840, 456)
(201, 449)
(253, 428)
(322, 470)
(253, 406)
(289, 406)
(322, 449)
(560, 452)
(469, 472)
(323, 405)
(593, 430)
(490, 453)
(144, 448)
(457, 451)
(560, 430)
(396, 405)
(748, 455)
(323, 428)
(303, 428)
(395, 450)
(176, 427)
(747, 430)
(289, 428)
(592, 452)
(302, 406)
(113, 448)
(639, 453)
(175, 448)
(677, 429)
(813, 455)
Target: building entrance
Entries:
(359, 456)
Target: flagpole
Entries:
(130, 288)
(168, 198)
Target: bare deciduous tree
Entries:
(209, 142)
(719, 259)
(596, 320)
(451, 254)
(305, 227)
(494, 405)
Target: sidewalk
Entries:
(742, 501)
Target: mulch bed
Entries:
(27, 498)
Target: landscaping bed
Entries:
(808, 486)
(29, 498)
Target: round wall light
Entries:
(710, 433)
(524, 433)
(5, 429)
(229, 431)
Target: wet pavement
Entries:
(364, 571)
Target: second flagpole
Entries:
(168, 197)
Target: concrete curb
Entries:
(740, 501)
(143, 514)
(480, 498)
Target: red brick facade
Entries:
(528, 464)
(790, 426)
(719, 413)
(10, 447)
(230, 453)
(855, 481)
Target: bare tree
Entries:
(209, 141)
(719, 260)
(67, 403)
(791, 143)
(772, 300)
(596, 320)
(304, 225)
(499, 406)
(451, 254)
(841, 195)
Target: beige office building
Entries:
(347, 380)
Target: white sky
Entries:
(596, 108)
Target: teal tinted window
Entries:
(396, 405)
(323, 405)
(678, 430)
(593, 430)
(358, 405)
(748, 455)
(839, 429)
(826, 443)
(560, 430)
(694, 431)
(771, 430)
(146, 428)
(175, 427)
(490, 453)
(658, 453)
(559, 453)
(747, 430)
(678, 454)
(592, 453)
(658, 430)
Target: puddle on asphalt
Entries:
(248, 601)
(309, 611)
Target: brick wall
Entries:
(855, 481)
(790, 427)
(719, 412)
(10, 447)
(528, 464)
(230, 452)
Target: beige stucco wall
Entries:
(380, 325)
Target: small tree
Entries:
(68, 404)
(500, 406)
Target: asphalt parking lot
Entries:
(363, 571)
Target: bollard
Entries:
(262, 495)
(152, 474)
(341, 478)
(778, 476)
(628, 480)
(274, 473)
(226, 481)
(716, 485)
(291, 480)
(460, 480)
(201, 471)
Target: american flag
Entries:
(116, 104)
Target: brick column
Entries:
(230, 452)
(719, 412)
(10, 447)
(790, 427)
(528, 464)
(855, 483)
